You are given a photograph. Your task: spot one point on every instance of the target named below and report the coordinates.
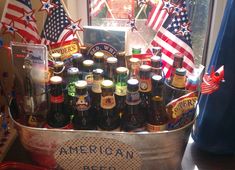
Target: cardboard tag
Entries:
(88, 153)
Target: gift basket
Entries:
(82, 120)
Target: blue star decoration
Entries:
(131, 22)
(28, 17)
(9, 29)
(47, 6)
(74, 26)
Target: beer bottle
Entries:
(57, 116)
(133, 118)
(83, 118)
(176, 88)
(145, 86)
(98, 59)
(177, 63)
(72, 75)
(156, 64)
(98, 75)
(157, 51)
(108, 118)
(121, 58)
(111, 68)
(77, 60)
(59, 68)
(134, 68)
(157, 116)
(121, 88)
(84, 51)
(87, 72)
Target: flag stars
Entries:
(47, 6)
(10, 28)
(28, 17)
(75, 26)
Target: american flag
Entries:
(159, 13)
(54, 30)
(175, 37)
(96, 6)
(18, 18)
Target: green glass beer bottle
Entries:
(121, 88)
(72, 76)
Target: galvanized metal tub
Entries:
(156, 150)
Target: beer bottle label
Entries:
(88, 77)
(120, 90)
(96, 86)
(178, 81)
(107, 102)
(145, 85)
(71, 89)
(57, 99)
(156, 128)
(83, 103)
(133, 98)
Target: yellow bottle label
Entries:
(178, 81)
(107, 102)
(145, 85)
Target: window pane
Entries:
(114, 13)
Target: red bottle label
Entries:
(57, 99)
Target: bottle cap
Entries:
(157, 78)
(88, 62)
(121, 54)
(81, 84)
(180, 71)
(112, 60)
(157, 50)
(178, 57)
(134, 60)
(56, 56)
(136, 50)
(98, 71)
(77, 56)
(83, 49)
(58, 64)
(121, 70)
(145, 67)
(72, 71)
(56, 80)
(107, 84)
(155, 58)
(99, 54)
(132, 84)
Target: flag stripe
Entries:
(157, 16)
(13, 12)
(169, 48)
(96, 6)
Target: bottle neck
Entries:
(133, 97)
(121, 84)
